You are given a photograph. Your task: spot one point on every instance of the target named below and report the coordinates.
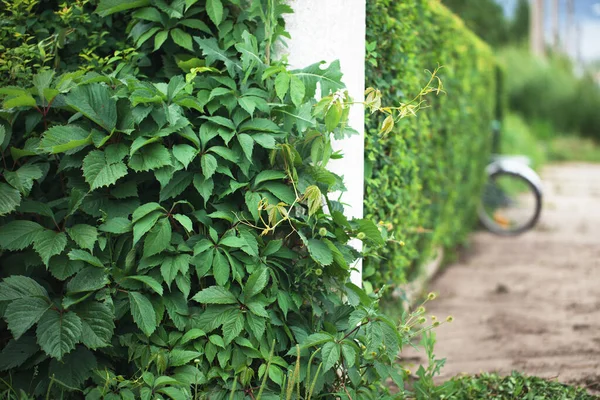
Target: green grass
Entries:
(519, 138)
(573, 148)
(513, 387)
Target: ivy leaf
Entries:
(151, 282)
(329, 79)
(209, 165)
(182, 39)
(372, 233)
(58, 333)
(84, 235)
(214, 8)
(87, 280)
(319, 251)
(185, 221)
(150, 157)
(48, 243)
(82, 255)
(117, 225)
(17, 352)
(215, 295)
(95, 102)
(349, 355)
(282, 84)
(204, 187)
(184, 153)
(22, 179)
(220, 268)
(257, 325)
(17, 235)
(97, 324)
(330, 354)
(297, 90)
(256, 282)
(180, 181)
(64, 138)
(247, 144)
(178, 357)
(260, 125)
(233, 326)
(9, 199)
(268, 175)
(212, 51)
(108, 7)
(18, 287)
(142, 312)
(23, 313)
(171, 266)
(158, 239)
(62, 268)
(192, 334)
(98, 171)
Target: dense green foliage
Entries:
(548, 91)
(162, 229)
(423, 178)
(484, 17)
(512, 387)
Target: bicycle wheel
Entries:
(511, 201)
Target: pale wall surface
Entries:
(335, 30)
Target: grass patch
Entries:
(512, 387)
(573, 148)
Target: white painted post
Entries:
(335, 30)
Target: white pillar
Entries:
(329, 30)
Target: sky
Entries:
(587, 16)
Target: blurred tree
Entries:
(519, 26)
(485, 17)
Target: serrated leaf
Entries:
(233, 326)
(150, 157)
(63, 138)
(256, 282)
(220, 268)
(17, 352)
(329, 79)
(142, 312)
(282, 84)
(117, 225)
(204, 187)
(17, 235)
(159, 39)
(23, 313)
(280, 190)
(257, 325)
(247, 144)
(173, 265)
(48, 243)
(62, 268)
(185, 221)
(371, 232)
(82, 255)
(158, 239)
(10, 199)
(108, 7)
(178, 357)
(99, 172)
(260, 125)
(269, 175)
(297, 90)
(320, 252)
(148, 280)
(87, 280)
(95, 102)
(214, 8)
(22, 179)
(209, 165)
(25, 100)
(17, 287)
(144, 210)
(58, 333)
(192, 334)
(184, 154)
(142, 226)
(84, 235)
(177, 185)
(182, 39)
(97, 324)
(330, 354)
(215, 295)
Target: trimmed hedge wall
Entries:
(424, 178)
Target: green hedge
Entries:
(424, 177)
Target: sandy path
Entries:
(532, 302)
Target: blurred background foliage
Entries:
(552, 103)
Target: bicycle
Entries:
(511, 202)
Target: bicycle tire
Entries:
(514, 171)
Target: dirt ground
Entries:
(530, 303)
